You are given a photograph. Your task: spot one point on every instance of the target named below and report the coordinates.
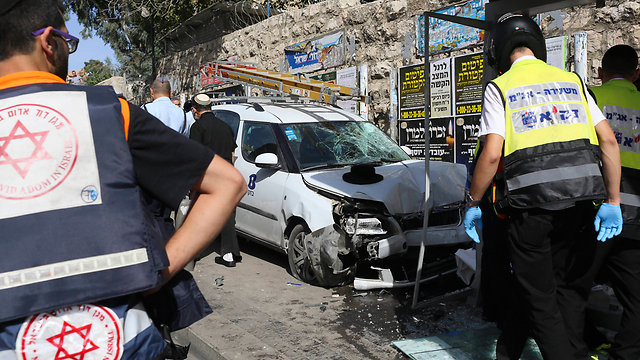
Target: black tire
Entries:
(299, 262)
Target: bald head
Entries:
(160, 87)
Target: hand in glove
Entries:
(471, 218)
(608, 221)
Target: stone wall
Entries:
(616, 23)
(379, 29)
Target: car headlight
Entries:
(364, 226)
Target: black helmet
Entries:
(510, 32)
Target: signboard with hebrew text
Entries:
(456, 103)
(468, 83)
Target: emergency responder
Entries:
(539, 124)
(78, 246)
(619, 101)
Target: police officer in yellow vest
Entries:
(539, 122)
(619, 101)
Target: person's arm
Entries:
(167, 166)
(487, 165)
(610, 161)
(219, 190)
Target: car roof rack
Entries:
(286, 85)
(293, 99)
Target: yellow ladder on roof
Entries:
(247, 74)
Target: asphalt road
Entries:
(260, 312)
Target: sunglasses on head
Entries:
(72, 41)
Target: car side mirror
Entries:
(407, 150)
(267, 160)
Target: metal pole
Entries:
(580, 54)
(427, 189)
(393, 110)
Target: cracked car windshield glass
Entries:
(340, 143)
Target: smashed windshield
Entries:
(340, 143)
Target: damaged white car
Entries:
(335, 192)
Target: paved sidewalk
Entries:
(258, 315)
(262, 312)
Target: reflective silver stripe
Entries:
(630, 199)
(135, 321)
(68, 268)
(545, 176)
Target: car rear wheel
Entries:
(299, 261)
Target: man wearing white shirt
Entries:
(542, 143)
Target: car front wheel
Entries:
(299, 261)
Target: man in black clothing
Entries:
(210, 131)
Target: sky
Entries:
(91, 48)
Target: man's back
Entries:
(215, 134)
(170, 114)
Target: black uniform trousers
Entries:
(623, 262)
(547, 259)
(620, 258)
(497, 285)
(228, 237)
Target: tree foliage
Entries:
(96, 71)
(128, 26)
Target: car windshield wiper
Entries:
(378, 162)
(327, 166)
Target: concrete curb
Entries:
(199, 348)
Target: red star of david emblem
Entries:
(68, 329)
(39, 153)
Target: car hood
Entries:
(403, 187)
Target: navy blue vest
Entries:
(66, 255)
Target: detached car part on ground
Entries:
(334, 191)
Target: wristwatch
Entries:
(470, 201)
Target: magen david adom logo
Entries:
(79, 332)
(38, 150)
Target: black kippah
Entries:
(7, 5)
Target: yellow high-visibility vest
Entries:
(619, 101)
(551, 152)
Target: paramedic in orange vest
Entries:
(79, 247)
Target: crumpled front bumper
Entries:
(438, 235)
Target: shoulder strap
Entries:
(592, 95)
(126, 117)
(504, 102)
(184, 125)
(582, 87)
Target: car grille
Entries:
(437, 218)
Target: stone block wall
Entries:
(616, 23)
(379, 29)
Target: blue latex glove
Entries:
(608, 221)
(471, 218)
